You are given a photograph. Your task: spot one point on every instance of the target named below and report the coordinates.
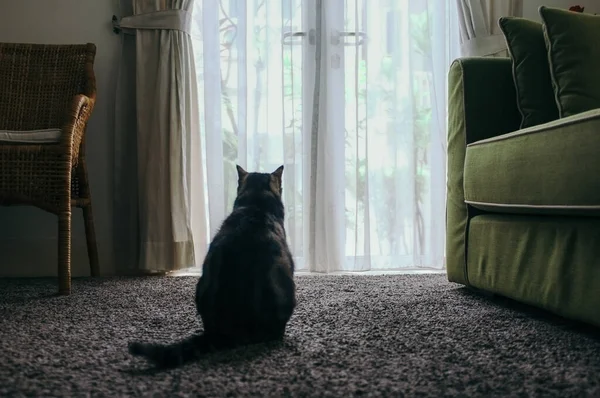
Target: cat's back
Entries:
(252, 238)
(249, 263)
(251, 232)
(247, 281)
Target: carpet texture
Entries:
(396, 335)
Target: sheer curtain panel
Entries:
(349, 95)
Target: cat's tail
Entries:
(176, 354)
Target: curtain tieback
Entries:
(164, 19)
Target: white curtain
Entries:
(159, 201)
(480, 34)
(350, 95)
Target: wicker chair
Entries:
(47, 93)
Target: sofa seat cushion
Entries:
(43, 136)
(551, 168)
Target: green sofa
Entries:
(523, 203)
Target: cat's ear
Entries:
(241, 172)
(279, 172)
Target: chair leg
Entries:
(64, 253)
(90, 237)
(88, 218)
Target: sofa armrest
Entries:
(482, 103)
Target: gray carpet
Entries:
(400, 335)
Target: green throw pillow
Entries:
(572, 40)
(531, 72)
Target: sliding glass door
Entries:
(350, 96)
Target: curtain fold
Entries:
(159, 206)
(480, 34)
(327, 213)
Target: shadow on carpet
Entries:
(386, 335)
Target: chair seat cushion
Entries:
(551, 168)
(42, 136)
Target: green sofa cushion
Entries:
(551, 168)
(574, 54)
(531, 71)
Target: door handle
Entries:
(288, 37)
(336, 38)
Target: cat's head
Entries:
(260, 183)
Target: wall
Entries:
(28, 236)
(530, 7)
(28, 244)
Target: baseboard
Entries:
(38, 258)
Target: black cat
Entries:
(246, 293)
